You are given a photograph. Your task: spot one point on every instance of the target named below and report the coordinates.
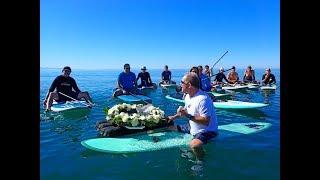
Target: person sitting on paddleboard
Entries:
(166, 76)
(232, 76)
(65, 86)
(199, 109)
(220, 76)
(204, 80)
(249, 75)
(126, 83)
(145, 78)
(268, 78)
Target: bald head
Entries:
(192, 78)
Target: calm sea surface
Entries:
(255, 156)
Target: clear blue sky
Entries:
(105, 34)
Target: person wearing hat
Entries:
(65, 86)
(145, 78)
(126, 83)
(268, 78)
(249, 75)
(220, 76)
(233, 76)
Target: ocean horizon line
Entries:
(101, 69)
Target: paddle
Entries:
(219, 59)
(75, 99)
(218, 73)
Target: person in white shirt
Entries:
(199, 109)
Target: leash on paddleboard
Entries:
(87, 104)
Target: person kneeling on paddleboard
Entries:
(199, 109)
(66, 90)
(126, 83)
(145, 78)
(268, 78)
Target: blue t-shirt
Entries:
(205, 82)
(127, 81)
(166, 75)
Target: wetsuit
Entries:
(220, 77)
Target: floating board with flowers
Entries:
(124, 119)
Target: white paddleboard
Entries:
(69, 105)
(272, 87)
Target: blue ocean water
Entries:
(255, 156)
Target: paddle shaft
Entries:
(218, 73)
(74, 99)
(219, 59)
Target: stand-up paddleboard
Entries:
(269, 87)
(134, 98)
(166, 139)
(253, 86)
(146, 88)
(236, 87)
(229, 104)
(168, 85)
(220, 95)
(68, 105)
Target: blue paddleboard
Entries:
(229, 104)
(134, 98)
(166, 139)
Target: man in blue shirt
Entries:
(127, 83)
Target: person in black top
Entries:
(65, 86)
(145, 78)
(268, 78)
(220, 76)
(166, 76)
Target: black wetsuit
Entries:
(65, 85)
(220, 77)
(145, 79)
(271, 79)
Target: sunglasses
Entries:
(183, 82)
(127, 68)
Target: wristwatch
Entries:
(189, 116)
